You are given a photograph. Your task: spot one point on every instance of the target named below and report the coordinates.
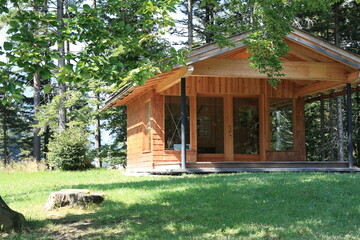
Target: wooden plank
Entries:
(267, 117)
(193, 124)
(332, 95)
(307, 54)
(218, 67)
(228, 128)
(325, 48)
(354, 76)
(174, 78)
(246, 157)
(299, 129)
(212, 49)
(168, 171)
(274, 164)
(317, 87)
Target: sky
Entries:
(2, 40)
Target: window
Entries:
(210, 124)
(281, 124)
(147, 131)
(173, 123)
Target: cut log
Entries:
(10, 219)
(72, 198)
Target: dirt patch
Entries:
(65, 229)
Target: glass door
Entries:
(246, 125)
(210, 125)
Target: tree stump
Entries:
(10, 219)
(72, 198)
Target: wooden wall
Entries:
(216, 86)
(136, 157)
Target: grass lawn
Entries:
(216, 206)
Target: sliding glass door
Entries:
(246, 125)
(227, 126)
(210, 125)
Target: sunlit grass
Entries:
(216, 206)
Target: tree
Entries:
(15, 129)
(120, 42)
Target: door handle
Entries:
(230, 128)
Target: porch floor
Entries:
(236, 167)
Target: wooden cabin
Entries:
(233, 116)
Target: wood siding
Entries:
(158, 158)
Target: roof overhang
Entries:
(343, 69)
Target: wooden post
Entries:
(228, 129)
(193, 124)
(350, 127)
(183, 123)
(299, 129)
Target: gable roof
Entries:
(325, 50)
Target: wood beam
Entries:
(174, 78)
(324, 48)
(317, 87)
(332, 95)
(353, 77)
(293, 70)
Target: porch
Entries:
(216, 114)
(238, 167)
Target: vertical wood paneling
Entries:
(136, 159)
(221, 86)
(228, 128)
(193, 123)
(299, 129)
(158, 136)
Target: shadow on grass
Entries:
(259, 206)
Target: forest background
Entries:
(74, 54)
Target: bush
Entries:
(24, 165)
(69, 149)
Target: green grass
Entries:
(221, 206)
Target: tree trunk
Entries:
(322, 129)
(208, 35)
(190, 23)
(98, 162)
(72, 197)
(332, 127)
(61, 63)
(5, 142)
(278, 134)
(36, 141)
(340, 129)
(46, 143)
(336, 23)
(11, 220)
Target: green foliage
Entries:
(265, 21)
(80, 114)
(322, 139)
(69, 150)
(15, 130)
(121, 40)
(113, 155)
